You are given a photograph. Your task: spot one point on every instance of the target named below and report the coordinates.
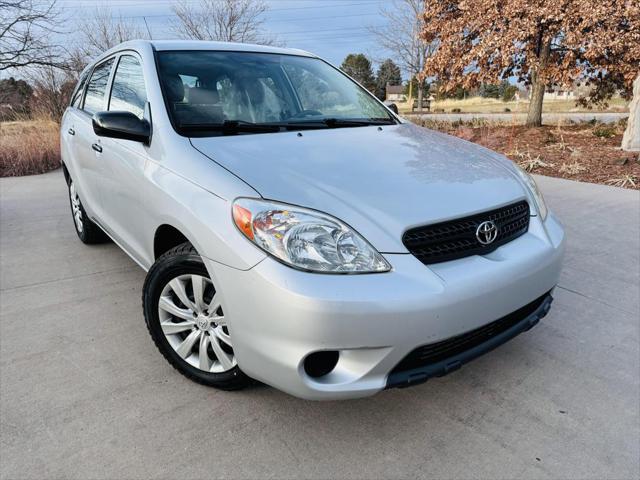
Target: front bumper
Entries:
(442, 358)
(278, 315)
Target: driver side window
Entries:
(128, 92)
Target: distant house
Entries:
(561, 93)
(575, 92)
(395, 93)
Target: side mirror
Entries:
(392, 106)
(123, 125)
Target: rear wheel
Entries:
(187, 320)
(88, 232)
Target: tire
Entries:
(180, 327)
(88, 232)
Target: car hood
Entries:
(380, 181)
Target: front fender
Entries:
(204, 218)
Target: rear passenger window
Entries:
(77, 95)
(128, 92)
(94, 99)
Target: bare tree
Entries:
(104, 30)
(52, 89)
(401, 37)
(222, 20)
(75, 61)
(26, 28)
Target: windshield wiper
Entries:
(339, 123)
(230, 127)
(343, 122)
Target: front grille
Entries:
(453, 239)
(436, 352)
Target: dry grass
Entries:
(29, 147)
(492, 105)
(573, 168)
(626, 181)
(528, 162)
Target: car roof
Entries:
(164, 45)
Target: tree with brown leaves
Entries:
(541, 43)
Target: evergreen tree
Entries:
(358, 67)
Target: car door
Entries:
(72, 116)
(86, 144)
(123, 182)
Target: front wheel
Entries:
(187, 321)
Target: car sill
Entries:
(119, 244)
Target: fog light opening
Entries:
(319, 364)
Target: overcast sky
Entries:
(329, 28)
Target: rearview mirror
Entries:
(392, 106)
(123, 125)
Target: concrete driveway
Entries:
(84, 393)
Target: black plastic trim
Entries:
(457, 237)
(419, 375)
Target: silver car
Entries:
(294, 229)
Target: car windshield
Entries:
(230, 92)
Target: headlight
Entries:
(535, 192)
(306, 239)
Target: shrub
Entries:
(507, 110)
(621, 125)
(604, 131)
(455, 110)
(509, 92)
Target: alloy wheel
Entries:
(75, 207)
(193, 321)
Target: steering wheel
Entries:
(307, 113)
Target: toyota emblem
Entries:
(486, 232)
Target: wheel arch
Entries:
(166, 237)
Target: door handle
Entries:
(71, 131)
(96, 147)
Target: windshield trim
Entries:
(394, 120)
